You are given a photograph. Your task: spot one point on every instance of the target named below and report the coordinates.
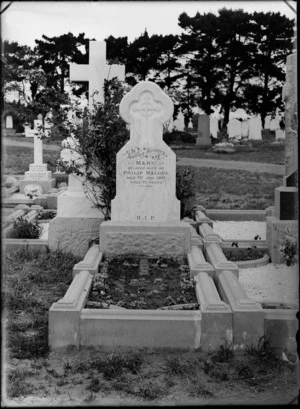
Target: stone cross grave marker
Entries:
(96, 71)
(38, 172)
(146, 166)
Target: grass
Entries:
(233, 189)
(30, 284)
(17, 159)
(263, 153)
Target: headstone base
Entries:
(46, 185)
(70, 204)
(73, 234)
(145, 239)
(202, 143)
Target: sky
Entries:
(25, 21)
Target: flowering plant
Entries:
(224, 145)
(288, 248)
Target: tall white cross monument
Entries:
(96, 71)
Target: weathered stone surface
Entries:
(146, 166)
(73, 234)
(90, 262)
(155, 239)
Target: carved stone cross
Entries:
(96, 71)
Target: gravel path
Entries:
(240, 230)
(273, 282)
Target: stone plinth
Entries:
(73, 234)
(145, 239)
(286, 203)
(38, 174)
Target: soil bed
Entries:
(142, 284)
(244, 254)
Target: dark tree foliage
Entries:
(272, 33)
(55, 55)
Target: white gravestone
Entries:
(145, 213)
(96, 71)
(280, 134)
(274, 123)
(9, 122)
(146, 166)
(38, 172)
(267, 122)
(190, 125)
(214, 126)
(245, 129)
(255, 128)
(179, 121)
(234, 129)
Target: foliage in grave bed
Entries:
(125, 283)
(46, 215)
(31, 283)
(23, 229)
(241, 254)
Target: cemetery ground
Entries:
(36, 377)
(96, 377)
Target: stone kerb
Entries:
(217, 325)
(90, 262)
(145, 214)
(248, 315)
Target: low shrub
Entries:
(23, 229)
(288, 248)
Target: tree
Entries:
(272, 33)
(202, 67)
(55, 55)
(142, 57)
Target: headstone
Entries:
(190, 124)
(274, 123)
(286, 213)
(27, 130)
(245, 129)
(38, 173)
(267, 121)
(234, 129)
(96, 71)
(214, 126)
(40, 117)
(255, 128)
(146, 169)
(179, 121)
(9, 122)
(203, 139)
(280, 135)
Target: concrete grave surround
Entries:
(255, 128)
(96, 71)
(145, 214)
(234, 129)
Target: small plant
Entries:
(288, 248)
(46, 215)
(23, 229)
